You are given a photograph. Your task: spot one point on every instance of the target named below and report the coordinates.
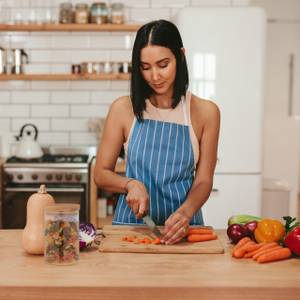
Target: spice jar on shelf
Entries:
(62, 234)
(99, 13)
(117, 13)
(82, 13)
(66, 13)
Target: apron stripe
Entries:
(158, 169)
(165, 168)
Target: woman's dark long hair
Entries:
(165, 34)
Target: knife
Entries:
(150, 223)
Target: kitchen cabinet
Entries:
(112, 276)
(94, 195)
(232, 194)
(1, 185)
(282, 107)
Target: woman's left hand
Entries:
(176, 228)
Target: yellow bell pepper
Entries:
(269, 230)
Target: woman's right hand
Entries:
(137, 197)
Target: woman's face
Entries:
(158, 67)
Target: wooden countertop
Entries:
(143, 276)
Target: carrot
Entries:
(254, 250)
(201, 237)
(200, 231)
(263, 251)
(240, 251)
(263, 247)
(241, 243)
(275, 255)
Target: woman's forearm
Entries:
(111, 181)
(196, 198)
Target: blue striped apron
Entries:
(160, 155)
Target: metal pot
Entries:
(28, 146)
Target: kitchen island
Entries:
(143, 276)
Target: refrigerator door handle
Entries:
(291, 84)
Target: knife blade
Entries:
(152, 226)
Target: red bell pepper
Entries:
(292, 238)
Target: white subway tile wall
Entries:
(62, 109)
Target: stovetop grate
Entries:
(51, 158)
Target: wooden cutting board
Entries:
(112, 242)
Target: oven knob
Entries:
(20, 176)
(34, 177)
(10, 177)
(78, 177)
(69, 177)
(49, 176)
(58, 177)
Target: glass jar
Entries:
(81, 13)
(62, 234)
(66, 13)
(99, 13)
(117, 13)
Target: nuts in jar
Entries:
(62, 234)
(81, 13)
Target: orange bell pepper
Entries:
(269, 230)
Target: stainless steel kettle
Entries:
(28, 147)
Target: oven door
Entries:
(15, 199)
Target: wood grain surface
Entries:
(136, 276)
(113, 242)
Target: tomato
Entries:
(292, 240)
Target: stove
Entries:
(50, 158)
(64, 171)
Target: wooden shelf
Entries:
(54, 77)
(70, 27)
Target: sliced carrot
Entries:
(147, 241)
(201, 237)
(240, 251)
(156, 241)
(128, 238)
(241, 243)
(199, 231)
(264, 251)
(275, 255)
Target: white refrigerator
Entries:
(225, 49)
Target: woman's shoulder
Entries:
(204, 108)
(122, 105)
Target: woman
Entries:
(170, 138)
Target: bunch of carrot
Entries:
(144, 240)
(261, 252)
(200, 235)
